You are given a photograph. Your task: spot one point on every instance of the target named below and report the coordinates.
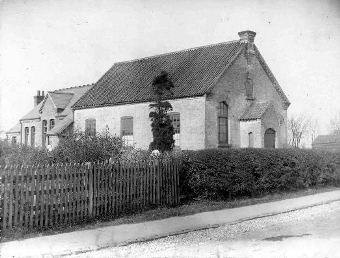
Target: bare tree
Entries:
(335, 124)
(313, 129)
(298, 127)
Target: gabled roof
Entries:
(192, 71)
(325, 139)
(255, 111)
(62, 98)
(61, 125)
(272, 77)
(15, 129)
(34, 113)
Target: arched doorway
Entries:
(269, 138)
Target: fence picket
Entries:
(5, 201)
(45, 196)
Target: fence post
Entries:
(90, 182)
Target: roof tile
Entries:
(255, 111)
(192, 71)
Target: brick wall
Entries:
(49, 112)
(231, 88)
(191, 111)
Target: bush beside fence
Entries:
(46, 196)
(228, 173)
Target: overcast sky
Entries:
(47, 45)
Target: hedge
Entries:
(228, 173)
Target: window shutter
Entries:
(126, 126)
(90, 127)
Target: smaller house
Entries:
(49, 120)
(327, 143)
(13, 134)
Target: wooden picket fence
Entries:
(46, 196)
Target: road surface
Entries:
(311, 232)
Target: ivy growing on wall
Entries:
(162, 129)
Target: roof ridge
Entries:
(80, 86)
(55, 92)
(271, 76)
(178, 51)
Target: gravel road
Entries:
(311, 232)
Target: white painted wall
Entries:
(246, 127)
(192, 119)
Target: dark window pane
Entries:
(126, 126)
(90, 127)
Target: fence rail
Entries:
(45, 196)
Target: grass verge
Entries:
(186, 208)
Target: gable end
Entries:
(272, 78)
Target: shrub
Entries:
(21, 155)
(77, 147)
(222, 174)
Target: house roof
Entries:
(61, 125)
(324, 139)
(255, 111)
(14, 129)
(62, 98)
(193, 72)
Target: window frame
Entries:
(250, 140)
(177, 129)
(26, 132)
(128, 138)
(90, 127)
(33, 136)
(122, 131)
(44, 132)
(52, 123)
(222, 115)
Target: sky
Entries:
(48, 44)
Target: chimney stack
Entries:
(247, 36)
(38, 98)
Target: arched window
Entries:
(176, 123)
(222, 123)
(44, 132)
(52, 123)
(250, 140)
(269, 138)
(90, 127)
(26, 135)
(32, 136)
